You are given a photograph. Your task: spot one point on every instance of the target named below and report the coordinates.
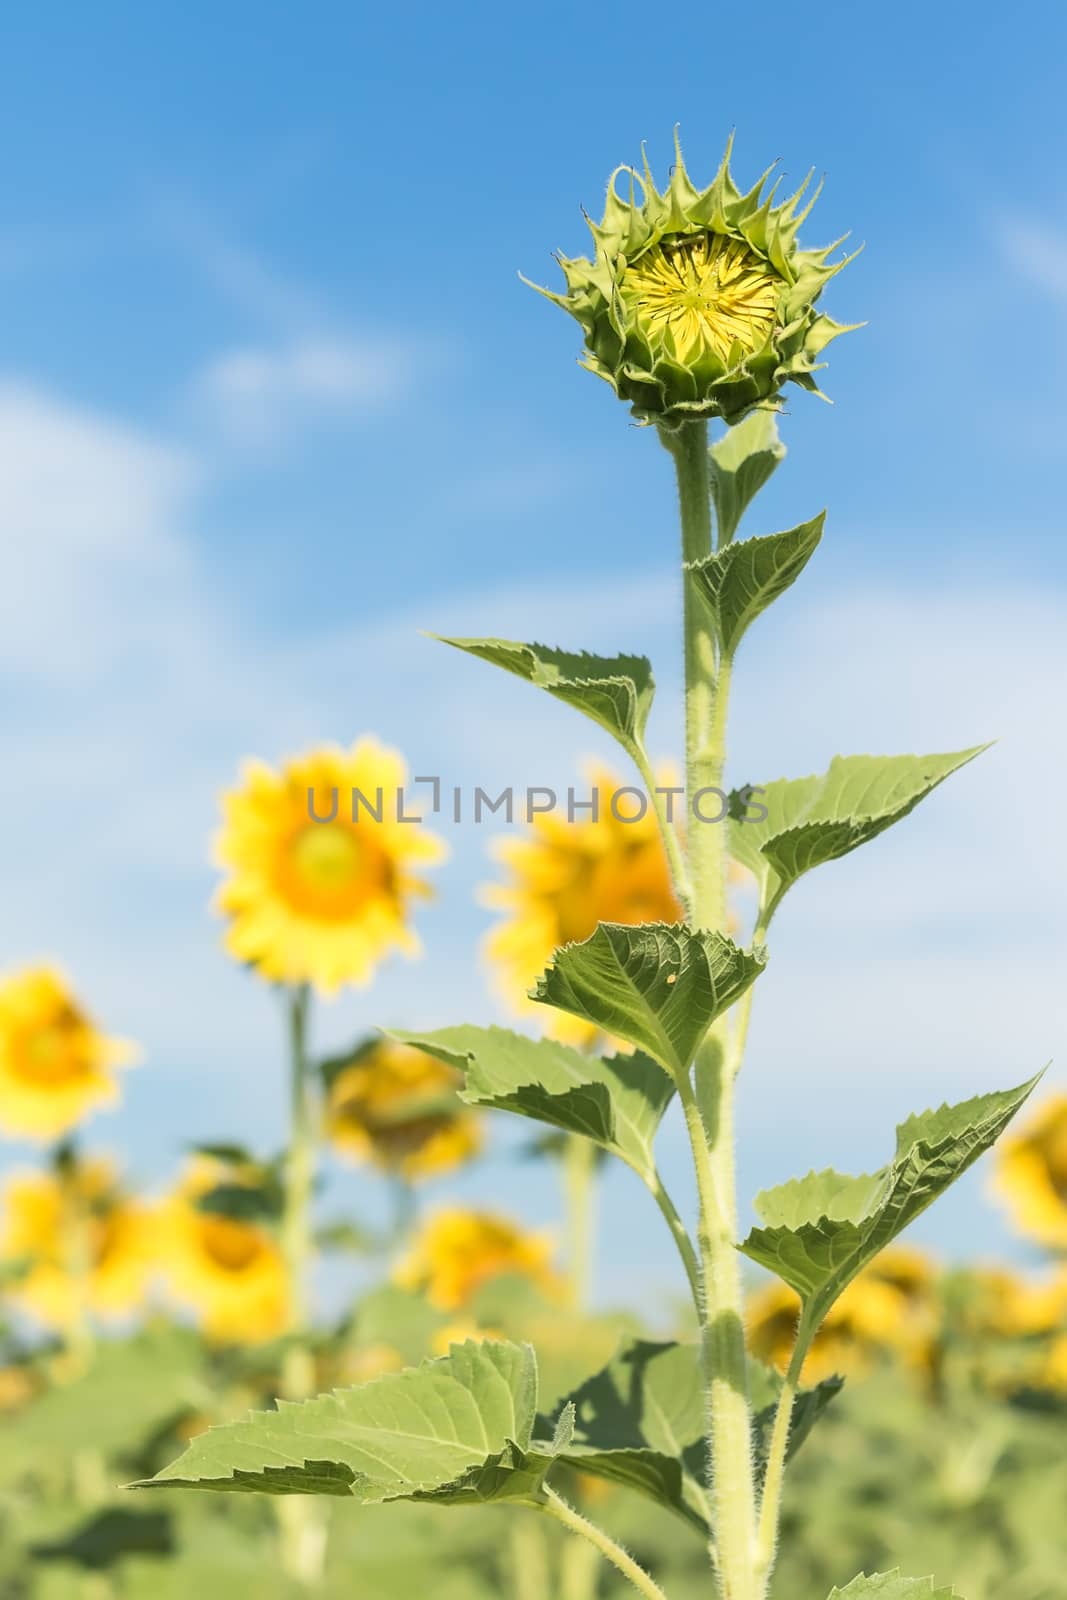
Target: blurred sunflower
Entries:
(228, 1269)
(887, 1310)
(321, 902)
(396, 1108)
(19, 1384)
(83, 1244)
(1031, 1174)
(564, 878)
(55, 1065)
(451, 1333)
(996, 1303)
(458, 1251)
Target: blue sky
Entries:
(272, 399)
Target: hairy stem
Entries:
(707, 682)
(611, 1551)
(771, 1501)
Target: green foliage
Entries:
(817, 819)
(615, 691)
(660, 986)
(739, 464)
(820, 1231)
(617, 1101)
(134, 1386)
(740, 581)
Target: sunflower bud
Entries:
(697, 303)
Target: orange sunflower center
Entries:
(329, 870)
(229, 1245)
(54, 1051)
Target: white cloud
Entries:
(1038, 252)
(258, 393)
(87, 512)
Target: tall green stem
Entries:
(299, 1178)
(707, 681)
(771, 1501)
(301, 1519)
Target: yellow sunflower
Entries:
(83, 1245)
(227, 1270)
(322, 901)
(55, 1065)
(457, 1252)
(397, 1109)
(887, 1310)
(1031, 1174)
(564, 878)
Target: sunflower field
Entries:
(381, 1356)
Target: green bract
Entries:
(700, 303)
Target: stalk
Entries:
(771, 1501)
(603, 1542)
(707, 682)
(301, 1520)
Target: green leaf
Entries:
(457, 1428)
(617, 1101)
(891, 1586)
(614, 691)
(641, 1421)
(244, 1202)
(461, 1429)
(818, 1232)
(104, 1538)
(740, 463)
(740, 581)
(811, 820)
(764, 1387)
(660, 985)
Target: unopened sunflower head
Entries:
(700, 303)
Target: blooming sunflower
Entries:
(699, 303)
(565, 877)
(456, 1252)
(1031, 1174)
(228, 1270)
(888, 1309)
(397, 1109)
(55, 1065)
(83, 1244)
(321, 902)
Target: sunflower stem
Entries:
(709, 1121)
(619, 1558)
(771, 1499)
(301, 1520)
